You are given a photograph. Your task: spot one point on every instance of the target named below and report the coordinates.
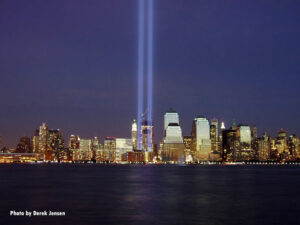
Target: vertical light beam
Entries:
(140, 99)
(150, 68)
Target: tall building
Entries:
(134, 134)
(254, 141)
(293, 145)
(35, 141)
(74, 143)
(282, 145)
(229, 144)
(96, 149)
(55, 144)
(245, 134)
(201, 144)
(215, 123)
(109, 153)
(43, 141)
(173, 146)
(244, 150)
(254, 132)
(264, 148)
(223, 125)
(214, 137)
(85, 149)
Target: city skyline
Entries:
(208, 141)
(220, 123)
(64, 64)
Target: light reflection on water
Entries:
(166, 194)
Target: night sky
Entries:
(73, 64)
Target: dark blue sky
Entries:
(73, 64)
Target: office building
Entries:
(43, 141)
(134, 134)
(201, 143)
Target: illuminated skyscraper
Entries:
(214, 135)
(35, 141)
(109, 153)
(244, 150)
(281, 144)
(245, 134)
(73, 142)
(229, 144)
(74, 147)
(85, 148)
(201, 144)
(56, 145)
(43, 141)
(96, 149)
(173, 147)
(134, 134)
(215, 122)
(293, 145)
(264, 148)
(223, 125)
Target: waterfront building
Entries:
(229, 144)
(109, 153)
(35, 141)
(123, 146)
(55, 144)
(243, 152)
(213, 137)
(264, 148)
(74, 147)
(293, 145)
(73, 142)
(134, 134)
(97, 149)
(85, 149)
(187, 141)
(214, 134)
(173, 146)
(43, 141)
(201, 143)
(282, 145)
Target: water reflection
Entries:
(135, 194)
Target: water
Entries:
(136, 194)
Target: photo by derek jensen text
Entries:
(36, 213)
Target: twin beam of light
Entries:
(150, 67)
(142, 19)
(140, 93)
